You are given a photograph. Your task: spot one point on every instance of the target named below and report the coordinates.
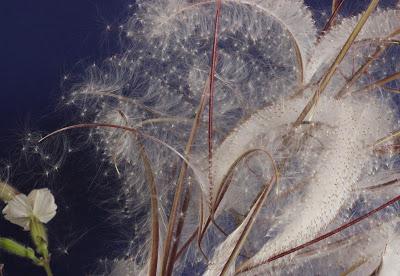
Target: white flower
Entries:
(39, 203)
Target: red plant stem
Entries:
(320, 238)
(336, 7)
(211, 97)
(335, 4)
(210, 85)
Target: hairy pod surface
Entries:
(331, 167)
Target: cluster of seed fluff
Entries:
(269, 66)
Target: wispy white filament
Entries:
(268, 68)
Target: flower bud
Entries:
(18, 249)
(7, 192)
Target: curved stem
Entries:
(154, 212)
(379, 83)
(251, 216)
(323, 83)
(211, 96)
(168, 258)
(299, 57)
(247, 267)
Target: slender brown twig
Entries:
(210, 81)
(323, 83)
(245, 268)
(154, 212)
(251, 216)
(379, 83)
(336, 7)
(168, 258)
(380, 49)
(211, 96)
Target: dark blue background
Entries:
(40, 42)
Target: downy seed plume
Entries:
(240, 131)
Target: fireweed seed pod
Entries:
(304, 131)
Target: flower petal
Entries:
(44, 207)
(18, 211)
